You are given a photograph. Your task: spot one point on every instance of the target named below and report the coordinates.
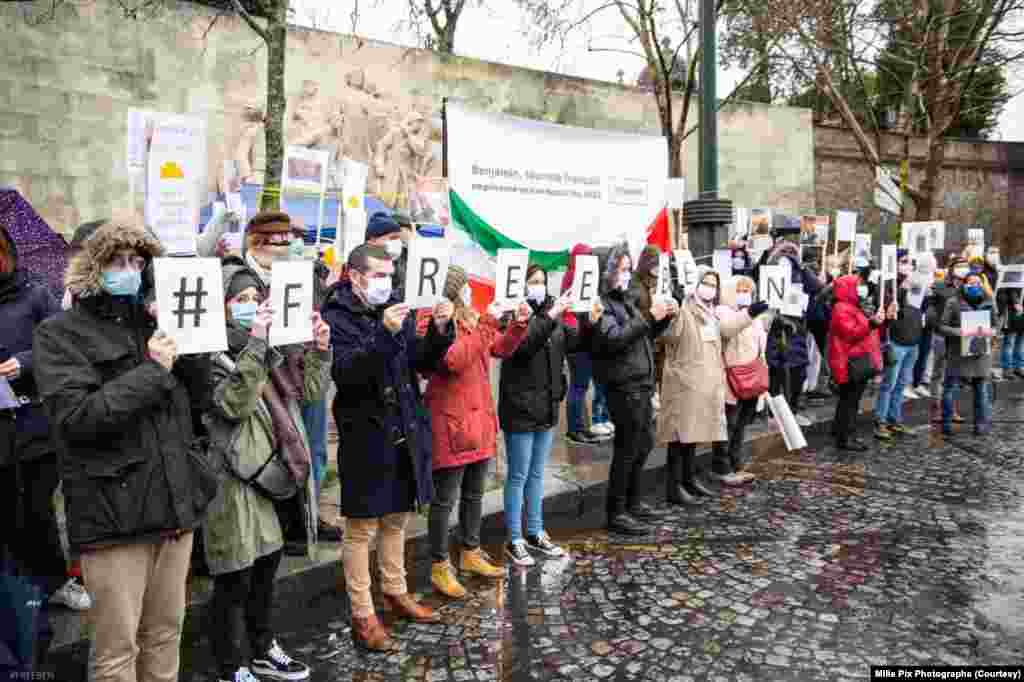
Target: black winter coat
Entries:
(622, 345)
(125, 425)
(379, 404)
(533, 384)
(25, 431)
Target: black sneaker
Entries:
(581, 438)
(517, 554)
(542, 543)
(279, 665)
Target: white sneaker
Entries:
(803, 421)
(910, 394)
(72, 594)
(923, 392)
(601, 430)
(242, 675)
(997, 374)
(656, 402)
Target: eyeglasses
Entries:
(122, 262)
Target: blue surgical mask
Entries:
(297, 249)
(974, 291)
(122, 282)
(243, 313)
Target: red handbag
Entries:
(748, 381)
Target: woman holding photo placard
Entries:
(969, 351)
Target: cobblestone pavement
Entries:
(826, 564)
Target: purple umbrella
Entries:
(41, 251)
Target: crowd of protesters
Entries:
(153, 450)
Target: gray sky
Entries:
(494, 33)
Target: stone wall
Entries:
(67, 84)
(979, 183)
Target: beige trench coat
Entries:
(693, 387)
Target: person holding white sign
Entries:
(268, 237)
(624, 362)
(125, 410)
(975, 365)
(693, 392)
(384, 434)
(256, 426)
(905, 326)
(393, 232)
(1011, 312)
(465, 428)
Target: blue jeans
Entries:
(898, 375)
(951, 393)
(924, 349)
(1012, 354)
(581, 372)
(314, 417)
(527, 454)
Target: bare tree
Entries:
(935, 50)
(434, 22)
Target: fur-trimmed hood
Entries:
(84, 276)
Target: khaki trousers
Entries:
(355, 557)
(138, 593)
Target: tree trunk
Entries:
(277, 33)
(446, 41)
(930, 187)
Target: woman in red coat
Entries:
(465, 426)
(852, 336)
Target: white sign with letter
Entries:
(190, 303)
(426, 271)
(510, 277)
(773, 285)
(686, 270)
(722, 261)
(890, 263)
(584, 284)
(663, 291)
(846, 226)
(291, 298)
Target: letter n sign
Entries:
(773, 285)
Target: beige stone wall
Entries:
(66, 86)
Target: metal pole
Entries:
(708, 102)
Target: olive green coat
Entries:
(241, 524)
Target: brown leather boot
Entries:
(370, 634)
(404, 606)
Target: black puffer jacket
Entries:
(125, 426)
(533, 384)
(908, 327)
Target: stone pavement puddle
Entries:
(821, 567)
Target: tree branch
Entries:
(248, 18)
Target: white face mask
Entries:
(905, 269)
(537, 293)
(467, 296)
(394, 247)
(961, 273)
(622, 282)
(862, 291)
(378, 290)
(744, 300)
(836, 274)
(739, 263)
(706, 292)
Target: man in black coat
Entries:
(623, 351)
(384, 438)
(136, 483)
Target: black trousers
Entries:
(34, 548)
(240, 614)
(633, 416)
(739, 417)
(794, 389)
(850, 395)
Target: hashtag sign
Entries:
(183, 295)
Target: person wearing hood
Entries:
(975, 366)
(788, 352)
(28, 455)
(746, 347)
(1010, 304)
(256, 426)
(465, 427)
(125, 410)
(383, 230)
(642, 289)
(530, 393)
(905, 325)
(623, 352)
(384, 432)
(581, 373)
(956, 271)
(694, 393)
(854, 355)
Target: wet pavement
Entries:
(826, 564)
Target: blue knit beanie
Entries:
(379, 225)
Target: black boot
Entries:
(675, 493)
(644, 512)
(692, 480)
(619, 521)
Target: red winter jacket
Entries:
(851, 334)
(462, 414)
